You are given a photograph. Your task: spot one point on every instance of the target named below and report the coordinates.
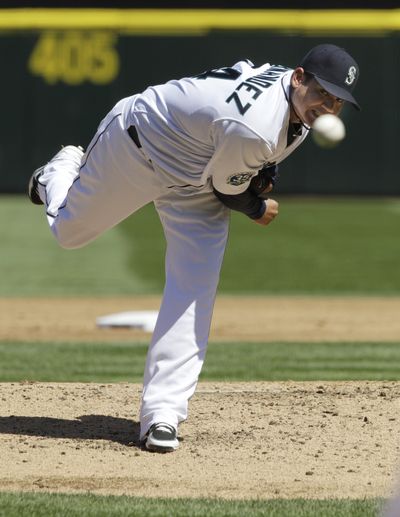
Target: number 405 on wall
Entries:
(74, 57)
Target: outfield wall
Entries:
(64, 69)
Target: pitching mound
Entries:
(242, 440)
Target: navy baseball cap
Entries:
(334, 69)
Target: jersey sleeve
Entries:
(238, 156)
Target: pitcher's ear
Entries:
(298, 77)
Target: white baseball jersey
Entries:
(224, 124)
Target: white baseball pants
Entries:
(86, 195)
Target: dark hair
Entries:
(308, 77)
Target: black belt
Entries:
(132, 132)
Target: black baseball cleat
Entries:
(161, 437)
(33, 187)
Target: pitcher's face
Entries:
(310, 99)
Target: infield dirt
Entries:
(242, 440)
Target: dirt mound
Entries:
(242, 440)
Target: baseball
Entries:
(328, 131)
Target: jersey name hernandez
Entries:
(221, 124)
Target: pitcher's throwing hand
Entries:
(270, 213)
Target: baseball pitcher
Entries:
(197, 148)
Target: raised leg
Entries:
(86, 195)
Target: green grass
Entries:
(32, 263)
(319, 245)
(71, 362)
(45, 505)
(83, 362)
(302, 361)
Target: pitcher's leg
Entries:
(196, 230)
(86, 197)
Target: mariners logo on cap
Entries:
(351, 75)
(239, 179)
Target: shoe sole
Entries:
(158, 446)
(32, 187)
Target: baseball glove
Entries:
(265, 180)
